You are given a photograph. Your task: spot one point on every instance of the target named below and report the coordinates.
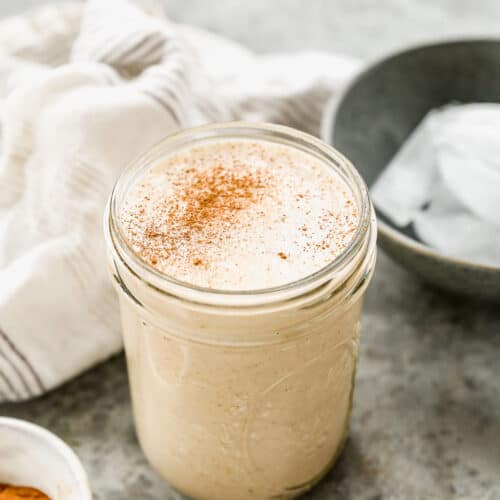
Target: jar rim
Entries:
(267, 132)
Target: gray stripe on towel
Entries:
(163, 104)
(142, 51)
(22, 357)
(20, 376)
(16, 394)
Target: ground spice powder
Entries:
(8, 492)
(239, 215)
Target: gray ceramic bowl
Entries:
(376, 113)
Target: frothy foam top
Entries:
(239, 215)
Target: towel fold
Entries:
(84, 90)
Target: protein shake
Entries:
(241, 253)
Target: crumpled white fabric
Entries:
(445, 180)
(83, 92)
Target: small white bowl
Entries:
(33, 456)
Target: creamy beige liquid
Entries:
(253, 402)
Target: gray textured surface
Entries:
(426, 421)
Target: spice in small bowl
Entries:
(9, 492)
(37, 465)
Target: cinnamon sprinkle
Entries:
(213, 196)
(216, 195)
(205, 214)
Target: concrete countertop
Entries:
(426, 418)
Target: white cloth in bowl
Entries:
(445, 180)
(84, 90)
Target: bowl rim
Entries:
(327, 131)
(58, 446)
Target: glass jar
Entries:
(242, 395)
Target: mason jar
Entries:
(242, 394)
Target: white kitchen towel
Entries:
(83, 90)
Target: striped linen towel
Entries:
(84, 88)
